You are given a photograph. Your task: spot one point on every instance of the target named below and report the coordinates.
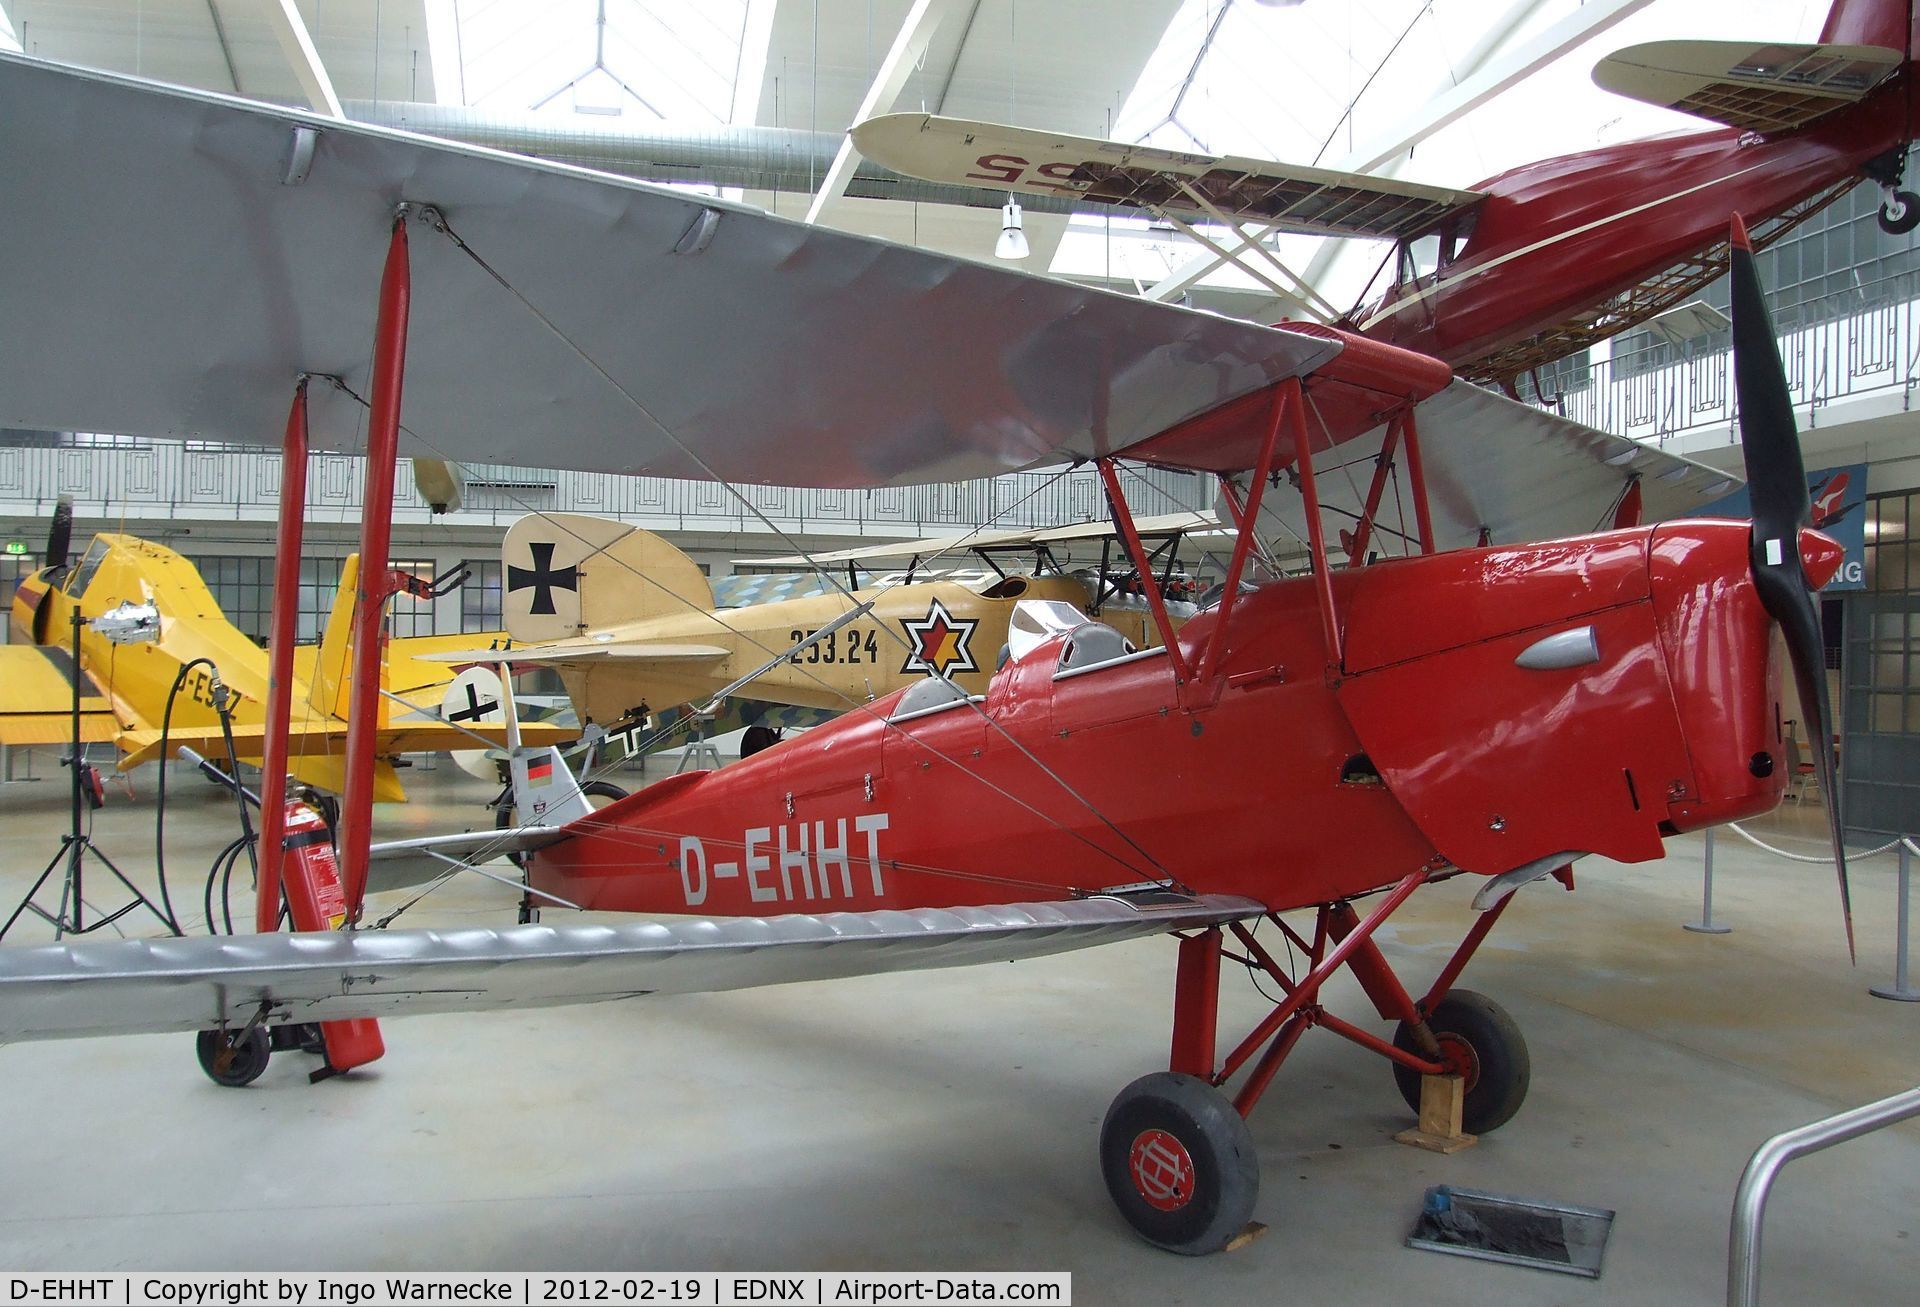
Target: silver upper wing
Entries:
(176, 261)
(127, 986)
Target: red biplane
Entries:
(1313, 743)
(1530, 265)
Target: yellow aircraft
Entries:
(125, 686)
(629, 621)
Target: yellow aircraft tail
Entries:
(566, 573)
(327, 691)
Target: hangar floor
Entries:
(947, 1120)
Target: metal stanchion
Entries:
(1706, 926)
(1902, 991)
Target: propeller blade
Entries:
(1777, 485)
(60, 533)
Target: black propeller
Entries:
(1777, 486)
(60, 533)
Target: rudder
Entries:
(565, 573)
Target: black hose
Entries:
(222, 871)
(160, 808)
(221, 699)
(160, 802)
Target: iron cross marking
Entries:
(476, 706)
(544, 577)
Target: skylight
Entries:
(1318, 83)
(654, 59)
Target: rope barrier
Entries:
(1759, 843)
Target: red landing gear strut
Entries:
(1175, 1150)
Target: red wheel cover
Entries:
(1458, 1056)
(1162, 1170)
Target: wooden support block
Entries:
(1442, 1099)
(1253, 1231)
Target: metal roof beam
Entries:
(220, 37)
(922, 21)
(297, 45)
(750, 71)
(1482, 85)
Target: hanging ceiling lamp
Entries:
(1013, 239)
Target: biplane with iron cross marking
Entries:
(125, 689)
(1495, 711)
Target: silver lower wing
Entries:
(132, 986)
(1517, 471)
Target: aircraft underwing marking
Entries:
(543, 577)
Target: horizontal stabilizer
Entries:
(125, 986)
(395, 863)
(1291, 197)
(418, 736)
(1747, 84)
(583, 651)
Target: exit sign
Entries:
(16, 546)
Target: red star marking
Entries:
(934, 639)
(939, 642)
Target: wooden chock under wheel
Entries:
(1442, 1100)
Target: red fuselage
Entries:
(1284, 774)
(1564, 235)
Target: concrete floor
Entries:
(948, 1120)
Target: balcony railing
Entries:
(149, 480)
(1874, 351)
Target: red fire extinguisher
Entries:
(318, 901)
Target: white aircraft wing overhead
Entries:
(179, 260)
(1516, 471)
(125, 986)
(1292, 197)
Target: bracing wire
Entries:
(439, 223)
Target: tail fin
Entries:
(328, 692)
(565, 573)
(545, 792)
(1887, 23)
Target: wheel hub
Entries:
(1162, 1170)
(1458, 1057)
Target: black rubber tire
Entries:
(1218, 1180)
(1498, 1069)
(233, 1058)
(603, 790)
(756, 738)
(1902, 215)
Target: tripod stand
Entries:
(77, 843)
